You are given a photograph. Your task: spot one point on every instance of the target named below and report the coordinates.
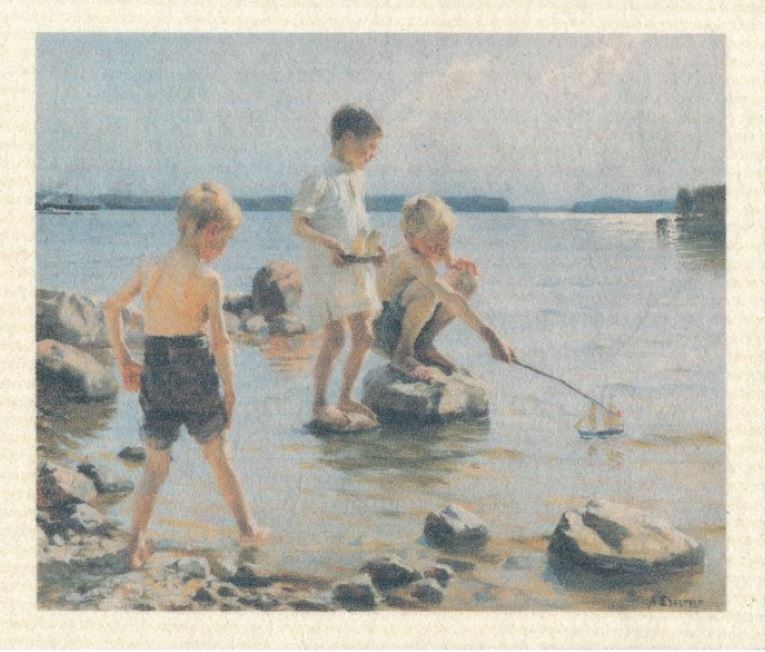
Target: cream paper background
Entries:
(742, 625)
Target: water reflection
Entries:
(62, 425)
(697, 240)
(419, 455)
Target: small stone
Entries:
(85, 519)
(441, 573)
(190, 568)
(389, 572)
(132, 454)
(59, 485)
(456, 527)
(355, 595)
(428, 592)
(204, 596)
(57, 540)
(247, 576)
(260, 602)
(229, 591)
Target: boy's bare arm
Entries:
(459, 307)
(113, 318)
(302, 227)
(221, 344)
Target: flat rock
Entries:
(389, 572)
(610, 538)
(393, 396)
(77, 374)
(276, 288)
(455, 527)
(357, 594)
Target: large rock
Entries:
(455, 527)
(393, 396)
(617, 539)
(276, 288)
(59, 485)
(77, 374)
(69, 318)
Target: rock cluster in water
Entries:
(395, 397)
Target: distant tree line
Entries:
(703, 202)
(275, 203)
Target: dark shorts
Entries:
(179, 386)
(387, 327)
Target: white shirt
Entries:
(332, 198)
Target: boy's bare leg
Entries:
(332, 344)
(155, 470)
(424, 350)
(218, 455)
(361, 341)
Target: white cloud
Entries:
(594, 72)
(441, 93)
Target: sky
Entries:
(535, 118)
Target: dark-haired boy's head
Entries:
(354, 120)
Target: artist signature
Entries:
(660, 600)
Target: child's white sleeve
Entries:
(310, 195)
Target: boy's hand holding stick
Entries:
(500, 350)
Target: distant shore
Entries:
(375, 203)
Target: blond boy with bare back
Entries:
(418, 303)
(179, 381)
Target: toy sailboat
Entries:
(611, 423)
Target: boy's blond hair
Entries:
(208, 202)
(428, 216)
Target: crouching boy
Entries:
(418, 303)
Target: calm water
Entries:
(602, 301)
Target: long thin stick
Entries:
(563, 382)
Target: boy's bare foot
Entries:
(354, 407)
(329, 415)
(424, 374)
(255, 538)
(138, 552)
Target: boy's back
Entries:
(177, 292)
